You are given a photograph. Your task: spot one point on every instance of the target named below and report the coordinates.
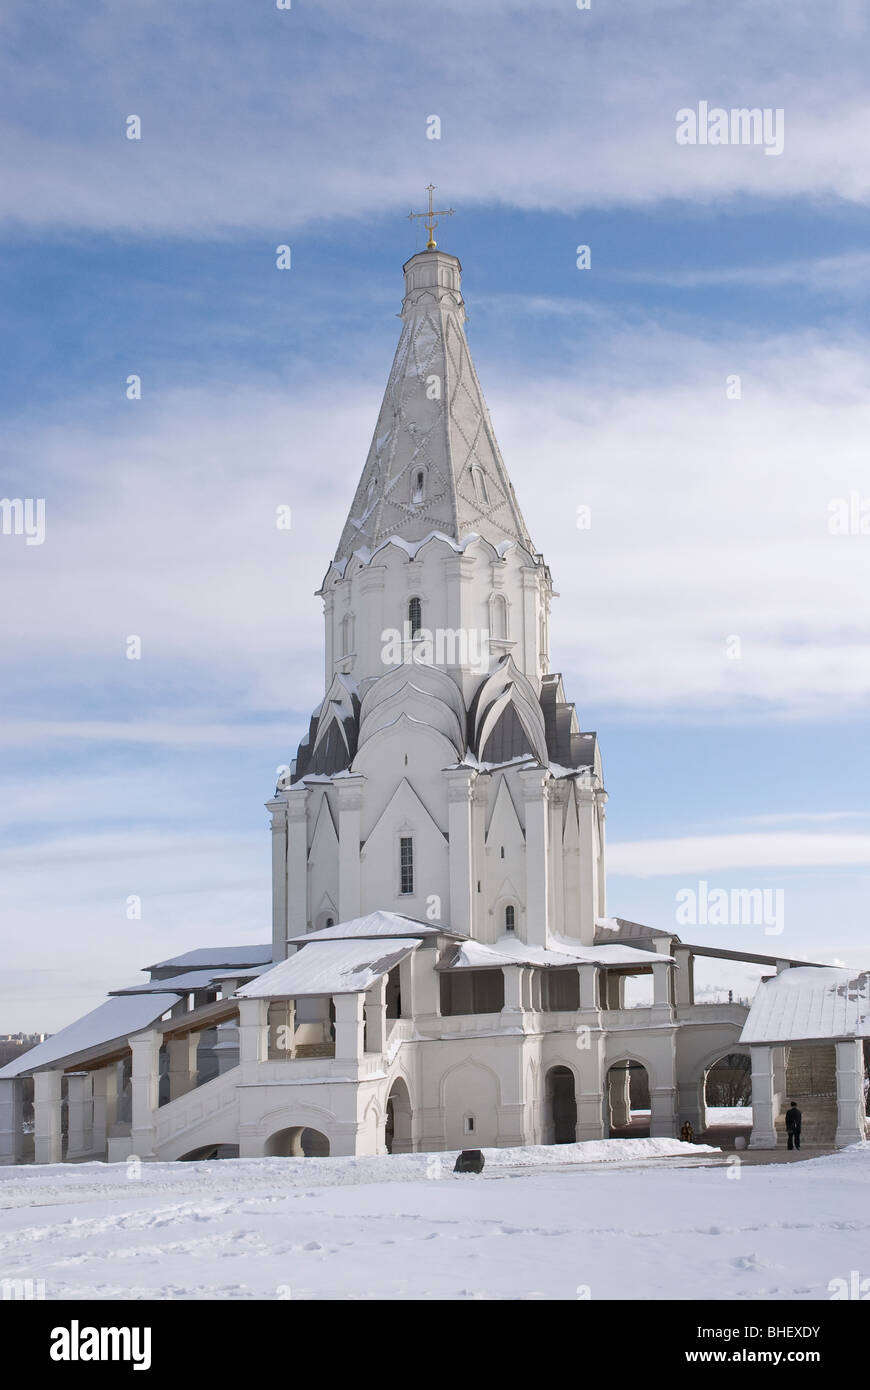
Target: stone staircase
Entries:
(811, 1080)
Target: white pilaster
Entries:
(460, 790)
(297, 862)
(277, 808)
(536, 796)
(349, 806)
(588, 861)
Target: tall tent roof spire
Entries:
(434, 463)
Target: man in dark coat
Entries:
(793, 1126)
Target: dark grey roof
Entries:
(641, 935)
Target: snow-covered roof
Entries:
(218, 956)
(190, 980)
(473, 954)
(375, 925)
(330, 967)
(808, 1003)
(114, 1020)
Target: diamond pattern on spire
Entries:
(433, 464)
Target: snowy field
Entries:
(617, 1219)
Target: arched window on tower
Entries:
(415, 616)
(478, 477)
(498, 617)
(418, 485)
(347, 634)
(510, 918)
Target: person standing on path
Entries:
(793, 1126)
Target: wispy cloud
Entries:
(256, 118)
(701, 854)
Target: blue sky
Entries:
(260, 387)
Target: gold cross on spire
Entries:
(431, 214)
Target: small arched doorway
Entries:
(397, 1125)
(627, 1100)
(561, 1106)
(297, 1142)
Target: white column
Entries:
(589, 994)
(105, 1104)
(535, 796)
(145, 1047)
(586, 814)
(620, 1098)
(253, 1030)
(11, 1120)
(685, 976)
(79, 1112)
(297, 862)
(851, 1122)
(512, 1009)
(690, 1105)
(349, 806)
(663, 1117)
(425, 982)
(47, 1116)
(661, 972)
(588, 1090)
(763, 1115)
(349, 1027)
(277, 808)
(376, 1016)
(182, 1064)
(460, 791)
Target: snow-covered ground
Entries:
(630, 1219)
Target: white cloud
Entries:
(701, 854)
(266, 119)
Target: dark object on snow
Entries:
(469, 1161)
(687, 1134)
(793, 1119)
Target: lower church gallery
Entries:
(443, 973)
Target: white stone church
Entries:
(443, 973)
